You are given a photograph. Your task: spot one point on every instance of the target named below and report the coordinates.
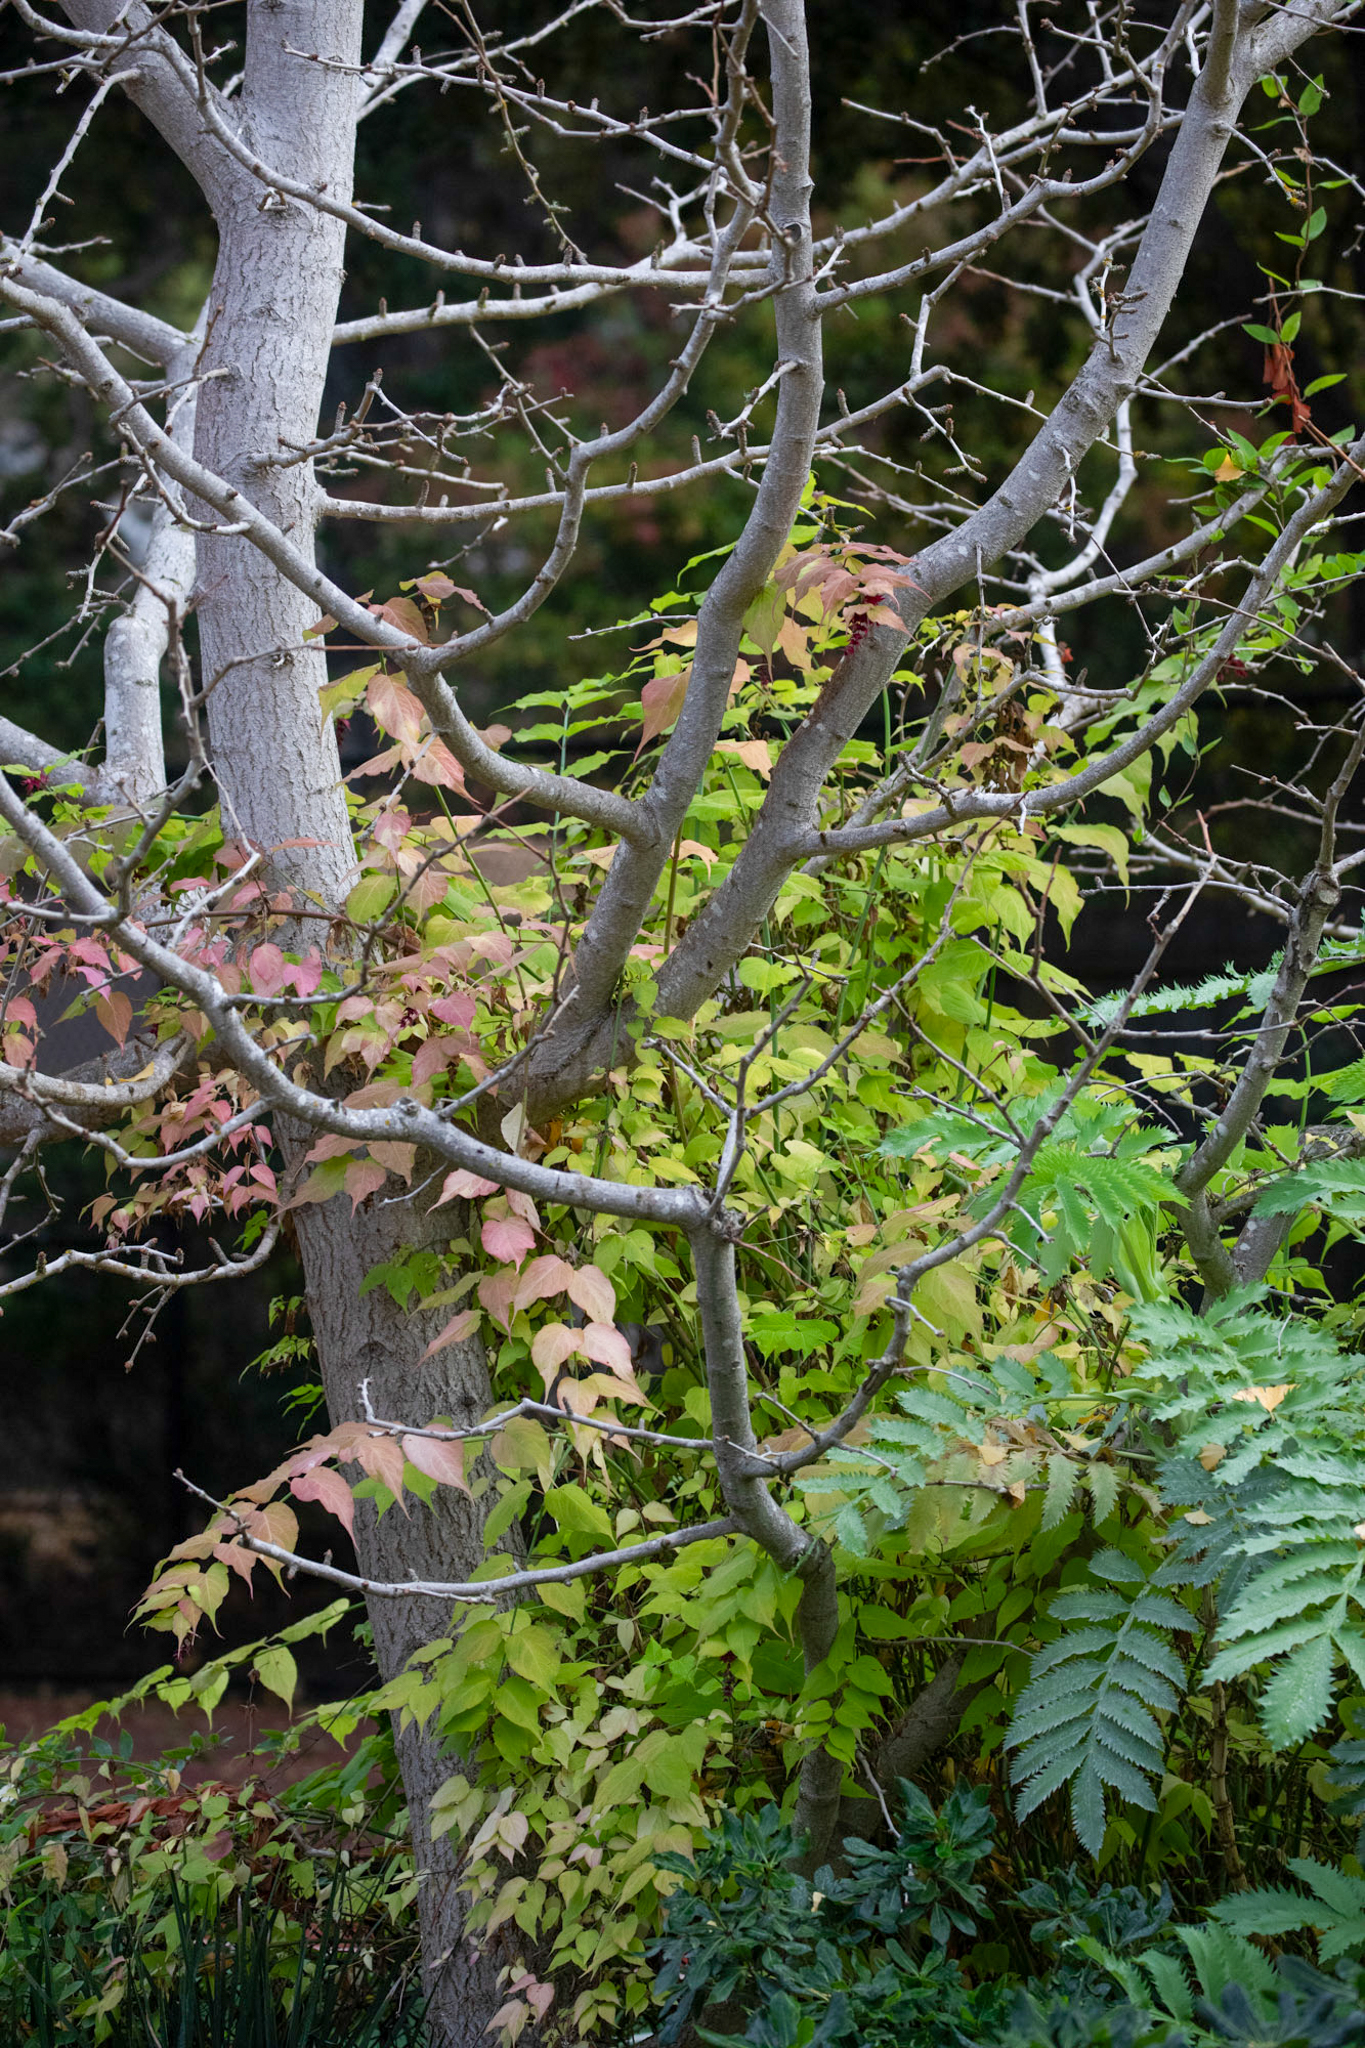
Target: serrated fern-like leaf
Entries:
(1334, 1185)
(1087, 1716)
(1336, 1909)
(1298, 1694)
(1063, 1477)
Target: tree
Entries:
(323, 1043)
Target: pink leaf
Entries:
(550, 1346)
(464, 1186)
(364, 1178)
(605, 1345)
(439, 1460)
(609, 1388)
(304, 978)
(590, 1290)
(522, 1205)
(457, 1010)
(382, 1460)
(438, 766)
(324, 1485)
(396, 1157)
(456, 1331)
(403, 613)
(755, 754)
(507, 1237)
(495, 1294)
(544, 1277)
(393, 708)
(115, 1013)
(267, 970)
(660, 703)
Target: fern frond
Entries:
(1336, 1910)
(1087, 1716)
(1336, 1186)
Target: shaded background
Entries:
(88, 1501)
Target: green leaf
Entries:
(534, 1653)
(573, 1509)
(371, 895)
(519, 1703)
(277, 1671)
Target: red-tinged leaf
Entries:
(605, 1345)
(395, 1157)
(495, 1295)
(328, 1488)
(522, 1205)
(237, 1558)
(609, 1388)
(464, 1186)
(277, 1523)
(394, 709)
(660, 703)
(378, 764)
(496, 736)
(374, 1094)
(437, 765)
(793, 639)
(435, 1056)
(403, 613)
(508, 1238)
(590, 1290)
(343, 1438)
(457, 1010)
(382, 1459)
(435, 587)
(364, 1177)
(217, 1847)
(427, 888)
(439, 1460)
(304, 977)
(314, 1453)
(115, 1013)
(755, 754)
(457, 1331)
(330, 1146)
(544, 1277)
(267, 970)
(550, 1346)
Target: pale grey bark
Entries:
(272, 307)
(136, 644)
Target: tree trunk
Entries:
(270, 318)
(371, 1340)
